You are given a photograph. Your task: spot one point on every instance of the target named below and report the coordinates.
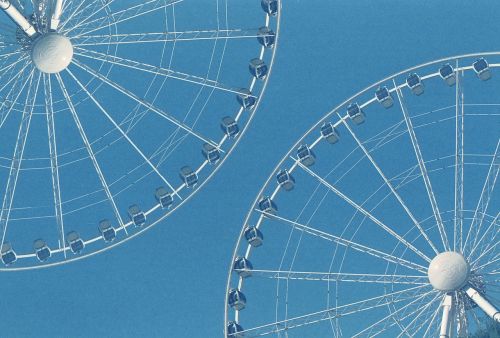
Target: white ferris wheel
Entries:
(114, 113)
(383, 219)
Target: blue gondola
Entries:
(482, 69)
(211, 154)
(243, 267)
(163, 197)
(384, 97)
(270, 6)
(42, 251)
(75, 243)
(246, 99)
(188, 176)
(285, 180)
(416, 85)
(268, 206)
(254, 236)
(447, 73)
(107, 231)
(355, 112)
(8, 255)
(306, 156)
(136, 215)
(329, 133)
(236, 299)
(234, 330)
(266, 37)
(258, 68)
(229, 127)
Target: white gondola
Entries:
(329, 133)
(229, 127)
(266, 37)
(75, 243)
(246, 99)
(42, 251)
(163, 197)
(236, 299)
(258, 68)
(267, 205)
(384, 97)
(355, 112)
(243, 267)
(285, 180)
(8, 255)
(234, 330)
(254, 236)
(447, 73)
(416, 85)
(270, 7)
(482, 69)
(107, 231)
(306, 156)
(136, 215)
(211, 154)
(188, 176)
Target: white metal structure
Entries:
(112, 114)
(383, 219)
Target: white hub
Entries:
(52, 53)
(448, 271)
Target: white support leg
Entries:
(17, 17)
(486, 306)
(56, 15)
(446, 319)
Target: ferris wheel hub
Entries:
(448, 271)
(52, 53)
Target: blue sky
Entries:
(170, 282)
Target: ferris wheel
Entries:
(383, 219)
(114, 113)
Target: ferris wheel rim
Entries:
(287, 157)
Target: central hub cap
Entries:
(52, 53)
(448, 271)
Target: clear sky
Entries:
(170, 282)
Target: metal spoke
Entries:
(124, 134)
(347, 243)
(341, 277)
(364, 212)
(491, 226)
(144, 67)
(144, 103)
(423, 169)
(337, 312)
(17, 157)
(459, 163)
(389, 184)
(139, 38)
(127, 14)
(484, 201)
(88, 146)
(51, 130)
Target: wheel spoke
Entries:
(423, 169)
(124, 134)
(459, 163)
(140, 38)
(56, 189)
(17, 157)
(347, 243)
(144, 103)
(92, 156)
(342, 277)
(143, 67)
(364, 212)
(390, 186)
